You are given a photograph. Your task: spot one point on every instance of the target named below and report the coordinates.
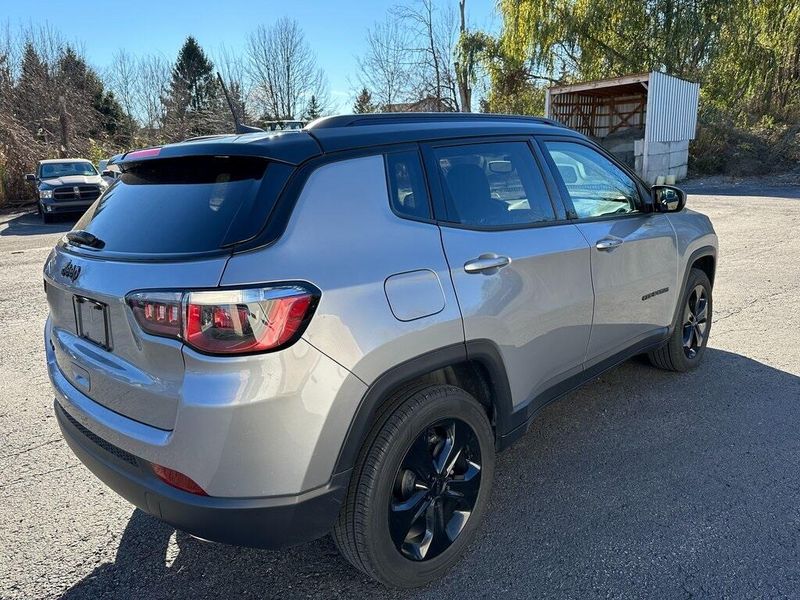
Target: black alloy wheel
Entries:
(435, 490)
(695, 321)
(684, 349)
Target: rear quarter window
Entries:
(407, 190)
(185, 205)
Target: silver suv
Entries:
(264, 338)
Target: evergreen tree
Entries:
(193, 103)
(94, 109)
(32, 90)
(364, 103)
(313, 110)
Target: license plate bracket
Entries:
(91, 321)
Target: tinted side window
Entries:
(407, 190)
(493, 184)
(596, 186)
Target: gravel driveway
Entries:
(641, 484)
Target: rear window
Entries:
(185, 205)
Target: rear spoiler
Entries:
(288, 147)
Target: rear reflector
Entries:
(177, 480)
(227, 321)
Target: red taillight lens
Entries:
(178, 480)
(227, 321)
(159, 313)
(234, 322)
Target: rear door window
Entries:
(493, 184)
(185, 205)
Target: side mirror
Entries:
(30, 177)
(668, 198)
(108, 173)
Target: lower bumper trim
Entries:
(272, 522)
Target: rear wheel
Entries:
(686, 346)
(420, 488)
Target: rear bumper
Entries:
(271, 522)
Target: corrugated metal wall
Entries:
(671, 108)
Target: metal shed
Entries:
(647, 120)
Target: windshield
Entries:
(65, 169)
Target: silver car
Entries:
(263, 338)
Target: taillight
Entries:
(227, 321)
(159, 313)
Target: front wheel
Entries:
(420, 488)
(687, 344)
(46, 217)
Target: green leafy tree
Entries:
(745, 54)
(363, 103)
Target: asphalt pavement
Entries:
(643, 484)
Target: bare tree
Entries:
(410, 57)
(151, 84)
(465, 66)
(233, 69)
(121, 77)
(283, 69)
(433, 35)
(385, 67)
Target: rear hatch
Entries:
(166, 224)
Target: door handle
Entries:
(485, 263)
(608, 243)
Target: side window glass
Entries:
(596, 186)
(493, 184)
(407, 191)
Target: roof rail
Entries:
(419, 117)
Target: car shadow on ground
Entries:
(30, 223)
(642, 483)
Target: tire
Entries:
(690, 329)
(370, 531)
(46, 217)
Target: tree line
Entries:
(53, 103)
(423, 55)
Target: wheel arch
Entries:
(477, 367)
(705, 259)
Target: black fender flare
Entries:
(484, 352)
(693, 258)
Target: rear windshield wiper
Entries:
(84, 238)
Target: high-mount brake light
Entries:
(224, 321)
(146, 153)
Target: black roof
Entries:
(349, 132)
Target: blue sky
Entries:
(335, 30)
